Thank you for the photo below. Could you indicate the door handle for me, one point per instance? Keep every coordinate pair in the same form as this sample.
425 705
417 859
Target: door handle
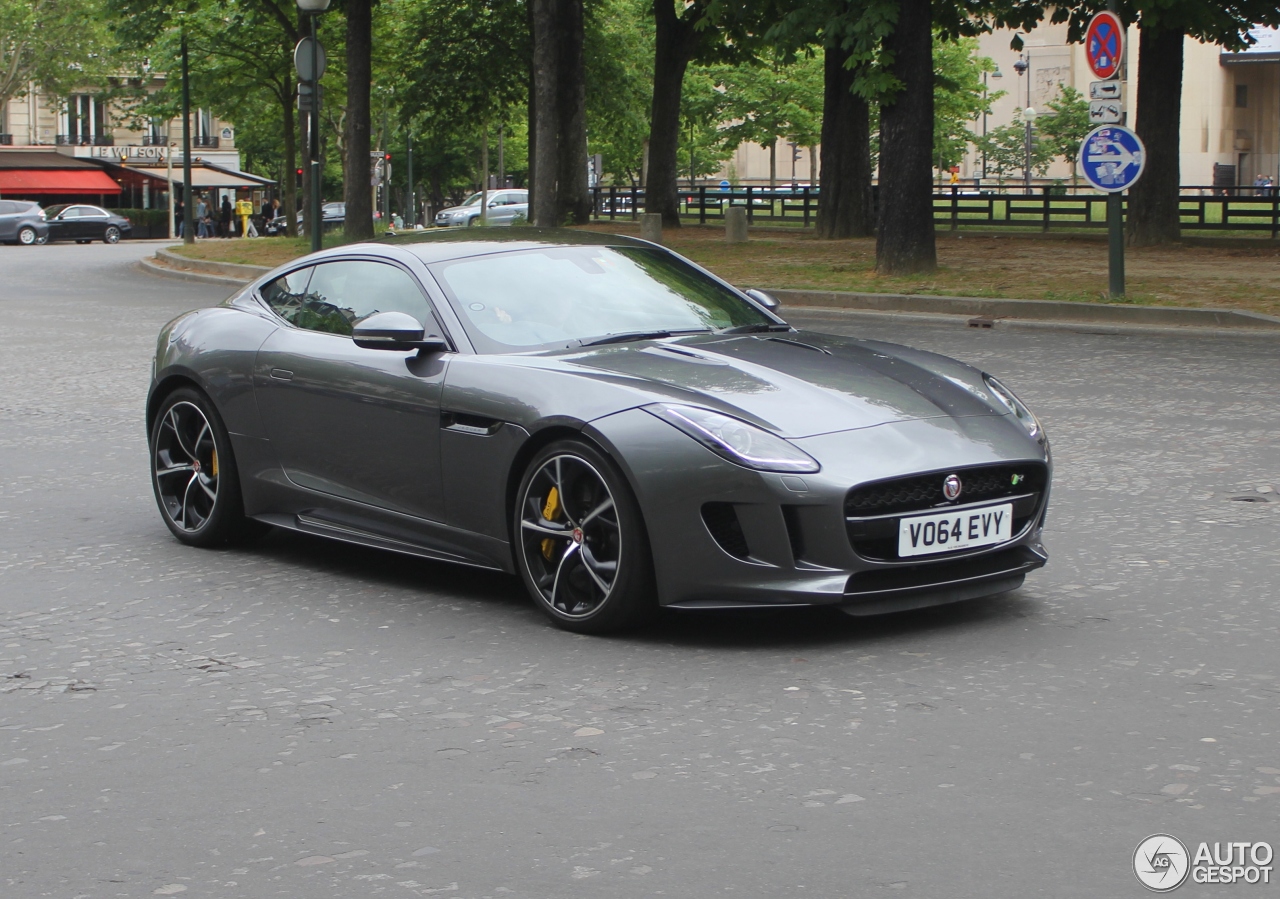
281 374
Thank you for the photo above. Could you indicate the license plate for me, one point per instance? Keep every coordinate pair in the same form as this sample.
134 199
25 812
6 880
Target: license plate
949 531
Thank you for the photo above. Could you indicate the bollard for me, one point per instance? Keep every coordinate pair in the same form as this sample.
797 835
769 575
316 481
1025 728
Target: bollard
735 224
651 226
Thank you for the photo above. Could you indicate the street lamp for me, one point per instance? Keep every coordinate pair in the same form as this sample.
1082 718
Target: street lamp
1029 118
995 74
314 8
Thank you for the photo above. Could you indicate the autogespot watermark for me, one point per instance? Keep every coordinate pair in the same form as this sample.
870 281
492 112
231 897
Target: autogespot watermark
1163 863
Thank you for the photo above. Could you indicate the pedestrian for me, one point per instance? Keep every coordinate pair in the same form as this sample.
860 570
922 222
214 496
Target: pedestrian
266 210
202 218
225 217
178 211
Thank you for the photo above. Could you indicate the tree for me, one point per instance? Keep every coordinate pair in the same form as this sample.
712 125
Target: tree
772 101
1154 215
1005 149
618 63
557 106
60 45
959 97
358 223
1066 125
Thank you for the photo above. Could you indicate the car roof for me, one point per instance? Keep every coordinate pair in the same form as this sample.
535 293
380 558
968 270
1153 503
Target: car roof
439 246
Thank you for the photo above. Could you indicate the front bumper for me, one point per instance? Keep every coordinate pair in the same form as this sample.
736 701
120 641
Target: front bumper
727 537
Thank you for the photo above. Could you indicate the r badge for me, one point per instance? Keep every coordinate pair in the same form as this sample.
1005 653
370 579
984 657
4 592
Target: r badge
951 486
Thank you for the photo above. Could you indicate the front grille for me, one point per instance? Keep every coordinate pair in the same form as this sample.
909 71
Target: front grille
924 491
871 509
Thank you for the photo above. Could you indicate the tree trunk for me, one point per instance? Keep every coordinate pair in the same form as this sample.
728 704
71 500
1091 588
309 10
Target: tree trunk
773 163
1153 200
673 45
845 208
905 233
289 187
359 219
574 198
545 127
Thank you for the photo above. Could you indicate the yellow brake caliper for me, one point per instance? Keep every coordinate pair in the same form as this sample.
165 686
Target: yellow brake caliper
550 512
215 464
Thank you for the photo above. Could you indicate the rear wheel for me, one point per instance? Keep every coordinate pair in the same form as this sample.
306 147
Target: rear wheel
27 236
581 545
193 473
111 235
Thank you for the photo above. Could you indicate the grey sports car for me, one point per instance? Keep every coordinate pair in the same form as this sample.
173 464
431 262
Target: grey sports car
617 426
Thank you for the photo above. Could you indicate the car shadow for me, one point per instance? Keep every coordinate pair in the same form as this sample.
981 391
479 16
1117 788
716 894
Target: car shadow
729 629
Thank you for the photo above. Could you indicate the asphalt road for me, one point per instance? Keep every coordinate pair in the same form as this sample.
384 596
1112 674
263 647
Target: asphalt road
304 719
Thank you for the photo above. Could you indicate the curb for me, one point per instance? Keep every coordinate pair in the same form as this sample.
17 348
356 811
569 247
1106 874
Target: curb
843 314
152 267
242 273
1019 313
1034 310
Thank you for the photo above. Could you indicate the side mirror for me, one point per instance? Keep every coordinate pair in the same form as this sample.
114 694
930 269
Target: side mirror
766 300
395 331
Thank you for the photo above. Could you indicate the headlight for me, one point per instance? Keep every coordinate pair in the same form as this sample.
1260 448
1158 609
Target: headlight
736 440
1014 405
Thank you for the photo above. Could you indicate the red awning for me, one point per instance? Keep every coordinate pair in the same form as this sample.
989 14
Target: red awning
57 181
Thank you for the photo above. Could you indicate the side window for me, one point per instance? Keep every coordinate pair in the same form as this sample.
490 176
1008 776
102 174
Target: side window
341 294
286 294
7 208
72 212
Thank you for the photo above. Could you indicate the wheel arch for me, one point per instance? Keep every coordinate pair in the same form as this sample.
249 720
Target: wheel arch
534 445
167 385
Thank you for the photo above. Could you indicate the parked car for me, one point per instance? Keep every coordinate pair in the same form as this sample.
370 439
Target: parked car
613 425
22 222
85 224
333 215
504 206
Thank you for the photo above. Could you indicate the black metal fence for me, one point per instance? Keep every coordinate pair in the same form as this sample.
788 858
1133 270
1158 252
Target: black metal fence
1055 208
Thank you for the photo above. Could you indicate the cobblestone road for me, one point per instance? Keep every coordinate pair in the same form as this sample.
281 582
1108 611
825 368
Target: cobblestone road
303 719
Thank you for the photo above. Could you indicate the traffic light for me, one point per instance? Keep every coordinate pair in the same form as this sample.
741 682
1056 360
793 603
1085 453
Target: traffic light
298 183
386 157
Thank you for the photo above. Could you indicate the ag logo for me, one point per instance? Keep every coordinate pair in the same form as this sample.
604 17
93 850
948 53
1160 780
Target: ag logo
1161 863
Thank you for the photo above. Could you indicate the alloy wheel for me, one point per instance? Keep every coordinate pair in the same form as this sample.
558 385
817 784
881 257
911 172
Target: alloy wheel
112 235
186 466
27 237
571 535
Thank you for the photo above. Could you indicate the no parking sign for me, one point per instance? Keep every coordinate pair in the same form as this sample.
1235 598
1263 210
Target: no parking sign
1104 45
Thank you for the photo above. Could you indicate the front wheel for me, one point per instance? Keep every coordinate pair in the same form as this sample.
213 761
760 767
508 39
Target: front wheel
27 237
111 235
193 473
581 545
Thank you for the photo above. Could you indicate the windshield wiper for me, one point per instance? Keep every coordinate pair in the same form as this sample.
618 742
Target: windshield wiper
627 336
756 328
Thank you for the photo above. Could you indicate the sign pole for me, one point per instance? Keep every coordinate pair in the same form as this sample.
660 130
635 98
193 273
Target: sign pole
1115 245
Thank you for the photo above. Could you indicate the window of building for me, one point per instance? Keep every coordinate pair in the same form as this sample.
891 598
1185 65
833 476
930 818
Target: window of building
1242 96
84 117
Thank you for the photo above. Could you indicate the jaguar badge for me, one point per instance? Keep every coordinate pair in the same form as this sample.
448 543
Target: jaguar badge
951 486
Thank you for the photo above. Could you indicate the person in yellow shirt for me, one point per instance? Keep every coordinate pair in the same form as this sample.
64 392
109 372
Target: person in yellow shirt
244 209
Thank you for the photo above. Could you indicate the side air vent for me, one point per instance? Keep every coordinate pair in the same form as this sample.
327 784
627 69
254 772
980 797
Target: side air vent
791 516
722 521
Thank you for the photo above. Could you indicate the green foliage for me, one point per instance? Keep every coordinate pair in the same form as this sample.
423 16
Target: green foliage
702 110
959 97
61 45
772 101
619 65
1005 150
1066 125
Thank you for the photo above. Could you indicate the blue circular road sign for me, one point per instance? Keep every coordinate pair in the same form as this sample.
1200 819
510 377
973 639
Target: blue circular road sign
724 185
1112 158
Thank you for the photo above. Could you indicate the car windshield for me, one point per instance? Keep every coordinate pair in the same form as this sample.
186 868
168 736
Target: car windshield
473 200
53 210
568 296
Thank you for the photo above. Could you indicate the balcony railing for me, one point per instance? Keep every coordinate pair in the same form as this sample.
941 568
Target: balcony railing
85 140
153 140
207 142
6 140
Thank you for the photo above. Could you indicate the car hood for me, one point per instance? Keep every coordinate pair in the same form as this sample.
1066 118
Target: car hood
451 209
796 384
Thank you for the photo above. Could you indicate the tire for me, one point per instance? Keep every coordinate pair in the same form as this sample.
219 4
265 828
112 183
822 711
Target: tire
42 240
194 475
84 241
111 235
27 236
582 551
471 222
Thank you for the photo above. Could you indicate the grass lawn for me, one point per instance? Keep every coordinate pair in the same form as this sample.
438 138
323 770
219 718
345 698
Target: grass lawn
1018 267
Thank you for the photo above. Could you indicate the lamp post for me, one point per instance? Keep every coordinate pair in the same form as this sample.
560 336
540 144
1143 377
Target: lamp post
315 224
995 74
1029 118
